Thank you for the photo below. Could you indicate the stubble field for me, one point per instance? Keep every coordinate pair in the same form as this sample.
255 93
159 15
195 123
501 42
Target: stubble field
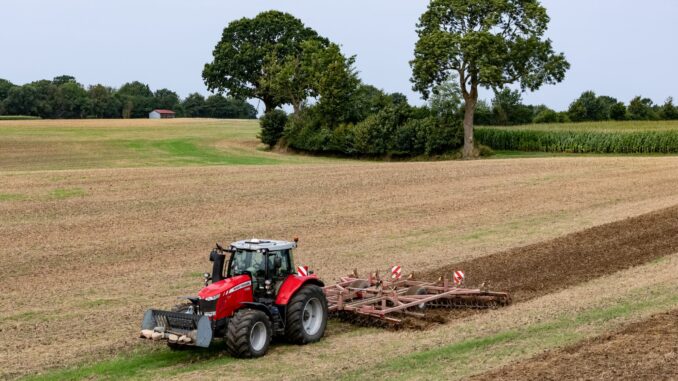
89 240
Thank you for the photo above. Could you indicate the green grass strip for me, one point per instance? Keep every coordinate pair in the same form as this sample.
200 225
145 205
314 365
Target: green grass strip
139 364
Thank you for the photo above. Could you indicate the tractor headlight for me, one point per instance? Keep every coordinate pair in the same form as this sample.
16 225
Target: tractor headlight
212 298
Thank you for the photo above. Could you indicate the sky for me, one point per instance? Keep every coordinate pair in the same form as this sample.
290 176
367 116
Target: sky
620 48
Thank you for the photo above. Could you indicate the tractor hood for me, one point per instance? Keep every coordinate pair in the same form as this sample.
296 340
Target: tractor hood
221 287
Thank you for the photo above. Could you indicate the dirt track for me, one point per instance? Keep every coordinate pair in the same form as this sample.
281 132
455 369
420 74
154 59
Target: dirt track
538 269
647 350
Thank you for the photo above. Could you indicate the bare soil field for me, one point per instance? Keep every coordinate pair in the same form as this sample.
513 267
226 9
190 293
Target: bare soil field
545 267
85 252
646 350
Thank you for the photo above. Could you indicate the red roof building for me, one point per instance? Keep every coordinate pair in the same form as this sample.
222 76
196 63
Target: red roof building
162 114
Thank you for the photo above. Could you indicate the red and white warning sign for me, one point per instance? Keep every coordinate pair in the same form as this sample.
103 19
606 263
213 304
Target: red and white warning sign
396 272
302 270
458 277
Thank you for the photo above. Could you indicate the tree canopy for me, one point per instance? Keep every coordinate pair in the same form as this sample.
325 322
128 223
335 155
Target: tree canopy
488 44
247 45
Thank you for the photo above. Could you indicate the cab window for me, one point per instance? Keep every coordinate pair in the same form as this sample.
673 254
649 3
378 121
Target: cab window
247 261
284 269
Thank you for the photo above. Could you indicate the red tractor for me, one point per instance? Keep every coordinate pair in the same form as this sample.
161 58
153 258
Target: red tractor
258 295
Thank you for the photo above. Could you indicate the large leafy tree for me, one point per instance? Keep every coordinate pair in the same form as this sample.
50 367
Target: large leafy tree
508 108
21 100
167 99
487 44
136 99
590 107
194 106
246 47
102 102
5 87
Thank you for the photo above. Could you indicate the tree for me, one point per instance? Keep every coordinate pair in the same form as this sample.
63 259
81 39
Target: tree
508 108
103 103
167 100
367 100
641 109
272 126
70 100
334 81
668 111
618 111
136 99
546 115
246 47
607 103
194 106
588 107
446 99
21 100
5 87
63 79
218 106
45 94
487 43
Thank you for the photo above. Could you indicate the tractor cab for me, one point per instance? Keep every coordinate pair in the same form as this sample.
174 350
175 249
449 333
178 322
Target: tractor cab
268 263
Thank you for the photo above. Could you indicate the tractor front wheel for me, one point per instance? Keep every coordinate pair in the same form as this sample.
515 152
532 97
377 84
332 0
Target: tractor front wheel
249 334
306 315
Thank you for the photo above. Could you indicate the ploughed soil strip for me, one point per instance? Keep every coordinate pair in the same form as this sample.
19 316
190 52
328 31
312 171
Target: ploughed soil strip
539 269
647 350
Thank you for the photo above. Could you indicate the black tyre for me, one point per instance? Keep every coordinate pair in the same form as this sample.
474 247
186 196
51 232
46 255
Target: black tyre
306 315
249 334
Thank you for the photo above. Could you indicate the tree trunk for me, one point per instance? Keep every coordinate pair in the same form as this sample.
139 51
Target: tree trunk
269 105
469 151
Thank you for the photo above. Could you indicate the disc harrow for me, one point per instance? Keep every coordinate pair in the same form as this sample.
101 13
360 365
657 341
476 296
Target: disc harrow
390 300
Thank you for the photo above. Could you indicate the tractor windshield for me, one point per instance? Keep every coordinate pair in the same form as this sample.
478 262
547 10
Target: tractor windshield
248 261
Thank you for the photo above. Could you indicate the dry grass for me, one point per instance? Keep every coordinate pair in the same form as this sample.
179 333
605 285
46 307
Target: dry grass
79 271
87 144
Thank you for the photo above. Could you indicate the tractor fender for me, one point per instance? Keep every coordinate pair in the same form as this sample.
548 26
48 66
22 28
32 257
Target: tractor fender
292 284
257 306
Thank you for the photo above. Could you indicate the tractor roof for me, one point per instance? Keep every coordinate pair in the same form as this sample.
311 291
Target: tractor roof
259 244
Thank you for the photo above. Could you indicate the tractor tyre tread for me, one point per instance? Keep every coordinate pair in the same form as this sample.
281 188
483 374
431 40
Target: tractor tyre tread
294 328
238 333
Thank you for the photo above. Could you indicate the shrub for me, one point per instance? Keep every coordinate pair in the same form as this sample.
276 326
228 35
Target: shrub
546 116
272 127
485 151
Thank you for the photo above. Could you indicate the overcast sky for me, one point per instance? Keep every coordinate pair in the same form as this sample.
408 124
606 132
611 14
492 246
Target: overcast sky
620 48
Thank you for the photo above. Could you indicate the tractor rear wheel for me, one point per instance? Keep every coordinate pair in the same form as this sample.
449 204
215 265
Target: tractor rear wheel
249 334
306 315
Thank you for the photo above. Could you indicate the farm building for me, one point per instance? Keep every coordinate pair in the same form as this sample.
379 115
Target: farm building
162 114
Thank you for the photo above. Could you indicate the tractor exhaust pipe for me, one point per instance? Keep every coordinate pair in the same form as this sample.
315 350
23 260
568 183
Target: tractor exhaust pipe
218 261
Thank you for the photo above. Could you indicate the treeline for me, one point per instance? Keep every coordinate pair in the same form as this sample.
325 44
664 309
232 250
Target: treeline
274 57
507 108
65 98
